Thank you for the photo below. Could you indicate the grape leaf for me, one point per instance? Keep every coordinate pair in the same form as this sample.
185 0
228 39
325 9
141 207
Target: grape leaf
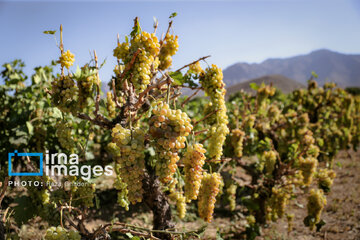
178 78
24 210
174 14
51 32
254 86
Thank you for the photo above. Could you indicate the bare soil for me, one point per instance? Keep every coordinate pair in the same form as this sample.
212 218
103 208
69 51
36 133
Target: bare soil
342 213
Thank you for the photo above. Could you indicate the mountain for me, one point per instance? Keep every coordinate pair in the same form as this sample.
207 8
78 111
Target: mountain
344 69
286 85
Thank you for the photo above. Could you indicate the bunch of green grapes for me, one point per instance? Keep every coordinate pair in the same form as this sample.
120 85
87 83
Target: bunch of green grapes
325 178
263 92
249 121
168 49
274 113
40 194
251 220
308 167
64 134
207 196
169 129
315 205
193 160
83 192
268 160
86 80
110 105
231 196
127 147
123 192
146 61
65 94
212 82
308 139
118 69
41 198
290 219
195 68
237 140
121 52
313 151
67 59
180 200
59 233
276 204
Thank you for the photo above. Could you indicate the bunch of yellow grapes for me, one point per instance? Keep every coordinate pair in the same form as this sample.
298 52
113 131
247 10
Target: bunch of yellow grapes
277 203
212 82
65 94
263 93
249 121
84 192
64 135
146 61
315 205
110 105
237 140
121 52
193 160
67 59
308 167
210 186
325 178
231 193
85 85
274 113
195 68
121 186
168 49
60 233
180 200
169 129
270 161
128 148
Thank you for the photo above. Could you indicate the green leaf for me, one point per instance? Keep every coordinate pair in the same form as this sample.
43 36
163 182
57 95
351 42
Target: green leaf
136 29
320 224
97 202
102 64
56 113
30 127
24 210
254 86
174 14
51 32
178 78
314 74
218 235
129 235
132 237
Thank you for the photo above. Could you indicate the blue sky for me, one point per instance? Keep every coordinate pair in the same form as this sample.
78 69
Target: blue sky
230 31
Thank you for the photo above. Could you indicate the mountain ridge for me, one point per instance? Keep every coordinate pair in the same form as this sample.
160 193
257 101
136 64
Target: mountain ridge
344 69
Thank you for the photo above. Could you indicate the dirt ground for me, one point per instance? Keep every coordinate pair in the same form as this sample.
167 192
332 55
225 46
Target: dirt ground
342 213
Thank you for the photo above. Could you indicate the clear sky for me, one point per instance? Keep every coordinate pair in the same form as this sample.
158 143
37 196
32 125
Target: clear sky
230 31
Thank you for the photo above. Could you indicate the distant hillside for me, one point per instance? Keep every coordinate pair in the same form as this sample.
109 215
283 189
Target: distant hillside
286 85
344 69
